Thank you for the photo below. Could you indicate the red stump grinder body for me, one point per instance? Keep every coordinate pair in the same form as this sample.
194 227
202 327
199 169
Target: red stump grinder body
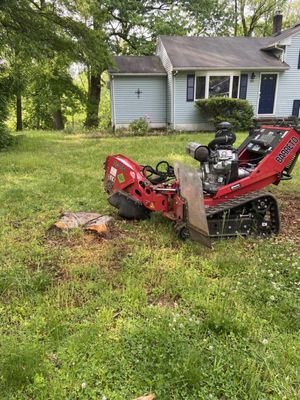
223 198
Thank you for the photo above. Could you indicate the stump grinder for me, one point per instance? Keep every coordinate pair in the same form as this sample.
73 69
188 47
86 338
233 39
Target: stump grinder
220 199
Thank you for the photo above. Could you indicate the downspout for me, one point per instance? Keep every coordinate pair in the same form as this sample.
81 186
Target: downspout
174 97
277 83
281 49
113 102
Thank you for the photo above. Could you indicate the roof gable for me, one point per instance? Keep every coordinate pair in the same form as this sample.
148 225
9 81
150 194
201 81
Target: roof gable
279 38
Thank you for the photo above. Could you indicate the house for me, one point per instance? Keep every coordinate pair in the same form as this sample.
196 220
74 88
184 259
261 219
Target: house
164 87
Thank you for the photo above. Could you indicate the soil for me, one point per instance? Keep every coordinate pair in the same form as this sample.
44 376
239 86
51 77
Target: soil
289 206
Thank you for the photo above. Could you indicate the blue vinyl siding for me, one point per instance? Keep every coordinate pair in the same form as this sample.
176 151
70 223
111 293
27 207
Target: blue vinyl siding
185 111
152 101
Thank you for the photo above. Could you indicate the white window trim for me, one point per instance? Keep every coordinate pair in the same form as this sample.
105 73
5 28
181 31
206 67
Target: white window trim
207 75
275 96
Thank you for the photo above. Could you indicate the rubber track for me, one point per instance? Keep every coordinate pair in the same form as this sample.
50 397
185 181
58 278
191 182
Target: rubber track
237 201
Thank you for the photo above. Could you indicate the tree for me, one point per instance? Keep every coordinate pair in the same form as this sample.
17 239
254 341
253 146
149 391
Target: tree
291 13
5 83
45 28
50 94
255 17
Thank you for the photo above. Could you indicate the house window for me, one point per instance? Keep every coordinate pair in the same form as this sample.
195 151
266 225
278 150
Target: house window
221 85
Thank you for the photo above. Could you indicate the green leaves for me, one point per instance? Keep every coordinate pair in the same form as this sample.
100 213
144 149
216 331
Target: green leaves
42 27
5 83
236 111
39 41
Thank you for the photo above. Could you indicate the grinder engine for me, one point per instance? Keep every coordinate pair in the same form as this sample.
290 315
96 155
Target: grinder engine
219 161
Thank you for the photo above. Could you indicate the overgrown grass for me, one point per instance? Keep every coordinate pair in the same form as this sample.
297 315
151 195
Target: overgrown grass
82 318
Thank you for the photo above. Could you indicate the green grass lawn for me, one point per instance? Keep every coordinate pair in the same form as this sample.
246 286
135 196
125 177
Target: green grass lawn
85 318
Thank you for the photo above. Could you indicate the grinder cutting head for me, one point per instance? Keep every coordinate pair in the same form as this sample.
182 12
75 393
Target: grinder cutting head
191 192
177 193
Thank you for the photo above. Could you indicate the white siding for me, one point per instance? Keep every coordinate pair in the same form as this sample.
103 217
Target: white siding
289 81
253 90
161 52
152 101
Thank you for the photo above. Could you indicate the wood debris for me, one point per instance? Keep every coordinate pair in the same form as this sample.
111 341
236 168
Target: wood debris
147 397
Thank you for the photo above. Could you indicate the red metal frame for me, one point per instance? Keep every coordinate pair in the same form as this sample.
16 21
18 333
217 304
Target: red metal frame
123 174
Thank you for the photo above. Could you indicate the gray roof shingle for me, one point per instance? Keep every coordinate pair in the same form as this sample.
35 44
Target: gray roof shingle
138 65
220 53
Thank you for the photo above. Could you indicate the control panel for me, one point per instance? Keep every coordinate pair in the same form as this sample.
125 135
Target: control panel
264 140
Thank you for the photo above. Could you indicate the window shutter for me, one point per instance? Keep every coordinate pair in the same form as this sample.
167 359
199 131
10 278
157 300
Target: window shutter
296 108
190 87
243 86
299 60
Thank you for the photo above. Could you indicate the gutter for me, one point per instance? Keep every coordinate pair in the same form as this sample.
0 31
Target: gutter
246 68
137 73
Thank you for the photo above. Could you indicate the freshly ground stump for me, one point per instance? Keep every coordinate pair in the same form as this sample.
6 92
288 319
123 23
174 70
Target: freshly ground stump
90 222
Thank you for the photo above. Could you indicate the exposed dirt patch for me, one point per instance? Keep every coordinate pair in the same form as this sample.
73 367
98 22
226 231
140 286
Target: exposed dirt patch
162 300
124 133
89 249
57 237
289 204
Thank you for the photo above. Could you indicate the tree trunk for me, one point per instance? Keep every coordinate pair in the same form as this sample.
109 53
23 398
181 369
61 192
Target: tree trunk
235 17
93 100
58 120
19 125
243 17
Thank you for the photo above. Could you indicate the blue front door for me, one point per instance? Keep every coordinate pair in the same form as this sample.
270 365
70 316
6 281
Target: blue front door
267 93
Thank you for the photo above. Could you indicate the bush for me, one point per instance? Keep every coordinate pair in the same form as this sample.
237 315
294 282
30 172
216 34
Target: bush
236 111
140 126
5 138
